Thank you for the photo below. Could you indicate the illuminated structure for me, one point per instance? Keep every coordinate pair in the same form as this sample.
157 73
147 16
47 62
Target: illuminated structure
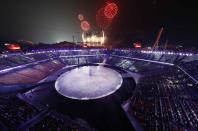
94 40
139 83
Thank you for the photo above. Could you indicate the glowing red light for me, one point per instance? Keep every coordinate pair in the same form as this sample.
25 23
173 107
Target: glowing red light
102 21
85 26
111 10
80 17
137 45
13 47
85 46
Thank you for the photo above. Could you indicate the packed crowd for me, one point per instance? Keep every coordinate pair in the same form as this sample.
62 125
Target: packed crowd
166 101
14 112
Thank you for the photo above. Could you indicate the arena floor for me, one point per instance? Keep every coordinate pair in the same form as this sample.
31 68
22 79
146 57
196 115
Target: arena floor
88 82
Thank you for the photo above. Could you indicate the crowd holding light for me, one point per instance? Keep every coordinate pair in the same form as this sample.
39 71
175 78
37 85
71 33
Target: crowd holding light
166 53
94 40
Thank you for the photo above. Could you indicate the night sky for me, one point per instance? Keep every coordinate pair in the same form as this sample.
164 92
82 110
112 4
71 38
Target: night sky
51 21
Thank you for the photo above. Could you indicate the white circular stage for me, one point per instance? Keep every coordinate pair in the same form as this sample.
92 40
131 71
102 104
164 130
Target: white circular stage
88 82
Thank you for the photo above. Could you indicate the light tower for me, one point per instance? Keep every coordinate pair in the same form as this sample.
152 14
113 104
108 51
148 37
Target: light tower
156 44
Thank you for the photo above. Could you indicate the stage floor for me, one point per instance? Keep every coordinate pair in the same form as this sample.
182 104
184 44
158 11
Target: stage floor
88 82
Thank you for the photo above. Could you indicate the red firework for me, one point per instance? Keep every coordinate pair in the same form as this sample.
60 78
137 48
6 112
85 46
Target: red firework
102 21
111 10
85 26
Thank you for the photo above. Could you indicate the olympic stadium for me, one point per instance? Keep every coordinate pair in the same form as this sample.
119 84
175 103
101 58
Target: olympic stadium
98 89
